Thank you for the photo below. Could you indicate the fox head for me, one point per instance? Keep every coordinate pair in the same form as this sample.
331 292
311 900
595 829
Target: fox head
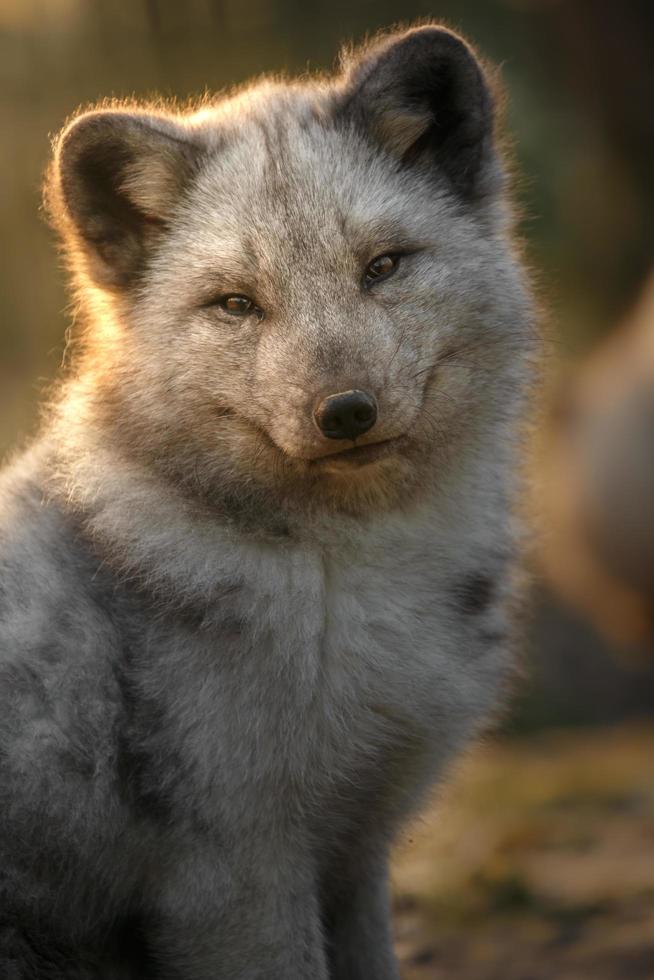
304 294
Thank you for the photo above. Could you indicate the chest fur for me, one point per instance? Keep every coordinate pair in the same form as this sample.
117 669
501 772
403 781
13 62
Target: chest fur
328 680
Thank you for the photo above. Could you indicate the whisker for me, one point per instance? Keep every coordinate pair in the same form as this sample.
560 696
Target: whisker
397 349
418 374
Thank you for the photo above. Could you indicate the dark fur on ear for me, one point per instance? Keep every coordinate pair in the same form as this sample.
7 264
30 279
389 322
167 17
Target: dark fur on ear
424 96
115 177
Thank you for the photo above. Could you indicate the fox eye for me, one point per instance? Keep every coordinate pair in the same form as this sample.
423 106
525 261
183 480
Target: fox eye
381 268
237 305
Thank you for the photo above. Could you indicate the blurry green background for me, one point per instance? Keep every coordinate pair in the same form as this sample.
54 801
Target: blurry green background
580 81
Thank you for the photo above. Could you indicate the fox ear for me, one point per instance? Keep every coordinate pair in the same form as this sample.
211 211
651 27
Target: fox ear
423 95
115 178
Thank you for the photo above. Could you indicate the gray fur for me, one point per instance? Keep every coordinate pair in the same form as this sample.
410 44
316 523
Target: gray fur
231 662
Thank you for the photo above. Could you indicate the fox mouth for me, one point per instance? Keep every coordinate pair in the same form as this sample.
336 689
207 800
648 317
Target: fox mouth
357 455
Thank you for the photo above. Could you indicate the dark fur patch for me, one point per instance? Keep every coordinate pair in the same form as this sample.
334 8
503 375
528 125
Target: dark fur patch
493 637
140 762
30 952
136 784
474 593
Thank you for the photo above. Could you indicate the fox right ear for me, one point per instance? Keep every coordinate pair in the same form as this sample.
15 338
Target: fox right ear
423 96
115 178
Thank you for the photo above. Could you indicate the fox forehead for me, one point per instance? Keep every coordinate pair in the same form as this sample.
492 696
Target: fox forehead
285 187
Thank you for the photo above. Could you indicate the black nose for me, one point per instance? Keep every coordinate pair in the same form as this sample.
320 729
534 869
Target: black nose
346 415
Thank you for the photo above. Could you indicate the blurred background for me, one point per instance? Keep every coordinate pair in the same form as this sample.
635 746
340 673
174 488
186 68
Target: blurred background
538 862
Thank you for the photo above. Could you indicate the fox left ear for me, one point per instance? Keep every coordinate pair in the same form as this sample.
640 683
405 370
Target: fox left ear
424 97
115 178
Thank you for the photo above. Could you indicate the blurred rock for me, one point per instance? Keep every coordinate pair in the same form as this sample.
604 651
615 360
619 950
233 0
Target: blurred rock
598 487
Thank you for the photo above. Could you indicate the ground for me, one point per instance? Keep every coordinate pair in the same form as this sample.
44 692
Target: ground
537 863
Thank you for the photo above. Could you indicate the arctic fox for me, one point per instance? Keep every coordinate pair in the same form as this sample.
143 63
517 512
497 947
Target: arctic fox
256 571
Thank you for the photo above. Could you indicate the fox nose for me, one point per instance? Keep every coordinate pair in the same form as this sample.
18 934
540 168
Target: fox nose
346 415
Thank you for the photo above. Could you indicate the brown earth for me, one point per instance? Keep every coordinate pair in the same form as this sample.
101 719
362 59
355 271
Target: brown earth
537 863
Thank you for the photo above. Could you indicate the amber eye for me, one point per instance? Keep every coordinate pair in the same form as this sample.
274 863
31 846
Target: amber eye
237 305
381 268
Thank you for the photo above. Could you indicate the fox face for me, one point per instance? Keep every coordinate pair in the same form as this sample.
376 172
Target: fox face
301 294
